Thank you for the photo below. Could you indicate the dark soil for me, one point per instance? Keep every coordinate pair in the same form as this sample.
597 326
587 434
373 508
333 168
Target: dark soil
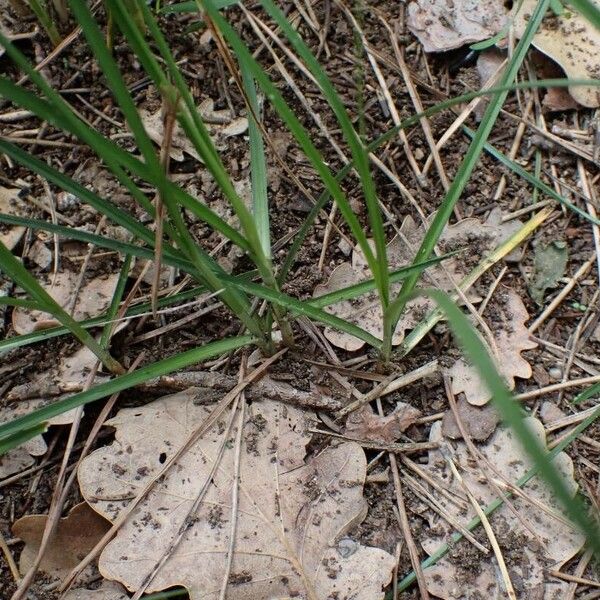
436 77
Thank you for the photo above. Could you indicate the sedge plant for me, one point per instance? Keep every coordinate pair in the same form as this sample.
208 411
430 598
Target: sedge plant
171 242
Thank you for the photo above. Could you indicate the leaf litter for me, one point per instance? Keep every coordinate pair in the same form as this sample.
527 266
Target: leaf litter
75 536
89 301
479 237
541 539
549 265
568 39
292 522
511 338
221 124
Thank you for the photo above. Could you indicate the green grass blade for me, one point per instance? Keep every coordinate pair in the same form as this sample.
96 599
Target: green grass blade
512 414
588 9
191 122
464 172
369 285
389 135
516 168
587 394
111 73
300 308
80 235
360 156
111 313
19 302
99 321
123 382
115 214
21 437
192 6
299 132
114 156
13 269
258 164
45 19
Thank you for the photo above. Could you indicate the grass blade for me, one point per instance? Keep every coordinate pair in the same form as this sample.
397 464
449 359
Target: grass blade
258 164
464 172
13 269
359 153
123 382
516 168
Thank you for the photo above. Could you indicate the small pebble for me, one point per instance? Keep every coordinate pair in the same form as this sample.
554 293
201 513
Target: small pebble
347 547
555 372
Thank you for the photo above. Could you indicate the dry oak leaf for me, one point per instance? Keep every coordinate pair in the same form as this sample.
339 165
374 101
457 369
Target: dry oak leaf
75 536
291 517
364 424
109 590
547 544
365 311
569 39
219 123
11 204
93 298
479 422
442 25
511 337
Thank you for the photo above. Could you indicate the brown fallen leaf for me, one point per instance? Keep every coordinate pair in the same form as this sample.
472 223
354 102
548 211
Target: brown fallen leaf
292 518
528 555
442 25
569 39
11 204
364 424
511 337
75 536
69 375
93 298
219 123
479 421
109 590
365 311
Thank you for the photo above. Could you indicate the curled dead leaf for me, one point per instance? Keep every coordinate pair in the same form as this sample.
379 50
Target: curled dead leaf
569 39
511 337
479 422
75 536
291 520
548 541
442 25
364 424
219 123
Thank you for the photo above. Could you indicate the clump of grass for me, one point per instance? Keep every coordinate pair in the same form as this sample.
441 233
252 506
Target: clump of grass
172 243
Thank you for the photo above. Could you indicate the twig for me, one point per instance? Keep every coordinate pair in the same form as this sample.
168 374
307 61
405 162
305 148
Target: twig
404 447
583 269
487 527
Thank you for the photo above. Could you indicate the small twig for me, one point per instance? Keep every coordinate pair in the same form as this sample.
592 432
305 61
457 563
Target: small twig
235 495
487 527
406 532
399 448
557 387
389 385
583 269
